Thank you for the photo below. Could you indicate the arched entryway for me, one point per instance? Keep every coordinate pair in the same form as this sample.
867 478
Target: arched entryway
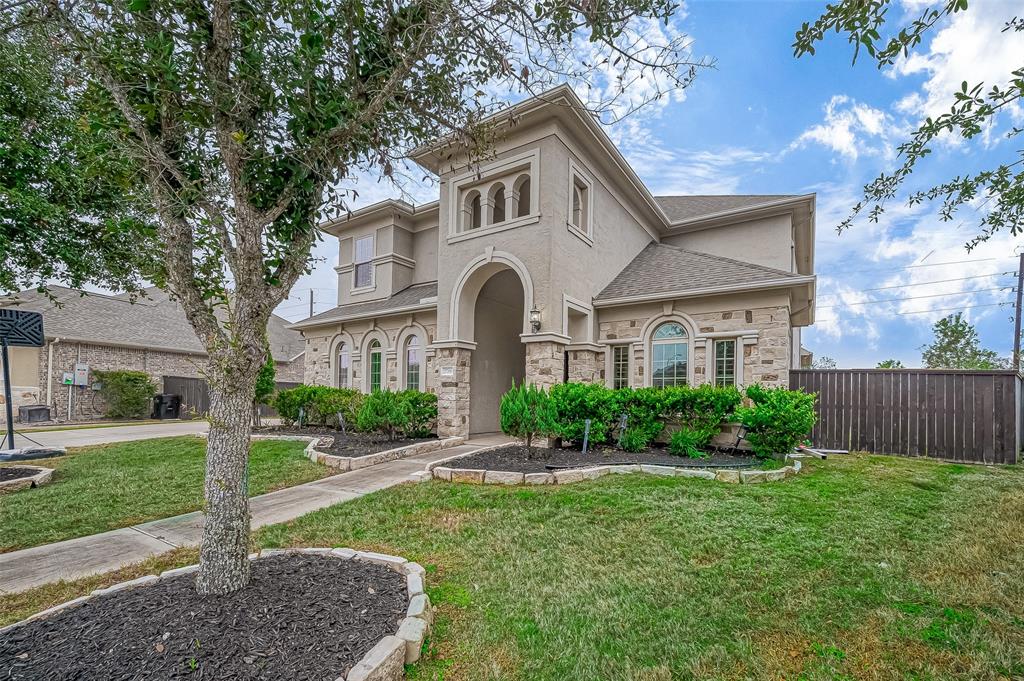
500 356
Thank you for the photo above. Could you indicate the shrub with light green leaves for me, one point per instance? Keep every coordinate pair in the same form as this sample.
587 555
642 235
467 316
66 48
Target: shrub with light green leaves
384 411
319 405
688 442
421 413
127 394
777 419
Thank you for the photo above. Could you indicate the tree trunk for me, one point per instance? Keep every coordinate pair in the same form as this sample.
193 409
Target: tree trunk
224 553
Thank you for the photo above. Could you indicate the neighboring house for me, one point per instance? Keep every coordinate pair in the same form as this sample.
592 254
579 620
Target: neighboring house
552 262
110 332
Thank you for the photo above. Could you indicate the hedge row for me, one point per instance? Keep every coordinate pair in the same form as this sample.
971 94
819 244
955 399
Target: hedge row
776 419
409 412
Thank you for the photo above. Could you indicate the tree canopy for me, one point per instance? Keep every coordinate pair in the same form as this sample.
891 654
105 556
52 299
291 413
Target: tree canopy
956 346
868 26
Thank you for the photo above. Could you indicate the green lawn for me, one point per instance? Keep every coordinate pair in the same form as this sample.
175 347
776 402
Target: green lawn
109 486
861 568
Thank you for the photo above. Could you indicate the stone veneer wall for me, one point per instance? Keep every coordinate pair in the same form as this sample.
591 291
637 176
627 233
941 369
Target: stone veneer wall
545 362
451 376
767 361
586 366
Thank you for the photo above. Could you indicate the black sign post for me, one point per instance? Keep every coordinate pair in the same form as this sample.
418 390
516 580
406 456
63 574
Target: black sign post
18 328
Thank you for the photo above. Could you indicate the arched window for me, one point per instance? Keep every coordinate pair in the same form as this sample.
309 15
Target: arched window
523 202
669 355
498 204
344 366
472 212
376 360
413 356
577 206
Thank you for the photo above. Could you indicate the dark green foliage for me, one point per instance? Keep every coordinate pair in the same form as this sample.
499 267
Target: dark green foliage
700 409
956 346
688 442
421 412
384 411
527 412
777 420
574 403
127 394
319 404
265 382
644 408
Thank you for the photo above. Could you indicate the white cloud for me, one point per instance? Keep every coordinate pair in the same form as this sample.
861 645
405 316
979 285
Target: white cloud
680 171
852 128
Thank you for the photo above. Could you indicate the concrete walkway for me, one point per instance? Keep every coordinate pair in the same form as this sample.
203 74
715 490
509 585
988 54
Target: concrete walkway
75 558
80 437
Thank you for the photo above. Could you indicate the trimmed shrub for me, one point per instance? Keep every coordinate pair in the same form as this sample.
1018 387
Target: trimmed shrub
777 419
574 403
127 394
384 411
688 442
320 405
644 409
527 412
421 413
701 410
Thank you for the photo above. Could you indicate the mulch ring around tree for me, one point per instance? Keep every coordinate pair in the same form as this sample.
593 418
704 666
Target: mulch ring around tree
303 616
515 458
348 444
16 472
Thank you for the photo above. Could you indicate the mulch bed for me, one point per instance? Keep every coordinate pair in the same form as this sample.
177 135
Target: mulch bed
541 460
350 444
302 617
16 473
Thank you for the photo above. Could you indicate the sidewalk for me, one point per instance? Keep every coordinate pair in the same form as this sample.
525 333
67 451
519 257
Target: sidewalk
20 570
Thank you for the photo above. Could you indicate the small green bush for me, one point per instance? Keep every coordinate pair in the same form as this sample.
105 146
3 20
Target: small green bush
320 405
127 394
777 420
527 412
688 442
384 411
644 408
635 440
574 403
421 413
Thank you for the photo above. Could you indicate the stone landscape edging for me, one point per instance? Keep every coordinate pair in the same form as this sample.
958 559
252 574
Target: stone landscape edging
43 476
352 463
384 662
438 470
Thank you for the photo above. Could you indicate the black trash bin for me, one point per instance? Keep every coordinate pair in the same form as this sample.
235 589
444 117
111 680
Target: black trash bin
166 406
33 413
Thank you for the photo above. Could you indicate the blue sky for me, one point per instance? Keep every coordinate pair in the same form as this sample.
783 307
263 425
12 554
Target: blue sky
762 121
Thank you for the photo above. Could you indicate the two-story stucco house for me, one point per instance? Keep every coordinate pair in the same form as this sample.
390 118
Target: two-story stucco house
552 262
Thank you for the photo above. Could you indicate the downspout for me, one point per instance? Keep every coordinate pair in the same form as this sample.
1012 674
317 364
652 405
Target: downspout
49 374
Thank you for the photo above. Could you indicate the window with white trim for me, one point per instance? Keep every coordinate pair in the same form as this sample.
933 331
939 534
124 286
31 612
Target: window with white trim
376 361
413 356
670 351
725 362
363 260
620 366
524 200
344 366
580 217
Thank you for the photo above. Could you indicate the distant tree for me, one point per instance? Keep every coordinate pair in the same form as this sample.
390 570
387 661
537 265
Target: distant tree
890 364
973 111
956 346
824 362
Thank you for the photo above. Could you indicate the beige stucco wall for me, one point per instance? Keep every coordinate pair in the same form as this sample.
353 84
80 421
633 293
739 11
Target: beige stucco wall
767 241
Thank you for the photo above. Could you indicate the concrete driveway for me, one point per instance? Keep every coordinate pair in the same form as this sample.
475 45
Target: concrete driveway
95 436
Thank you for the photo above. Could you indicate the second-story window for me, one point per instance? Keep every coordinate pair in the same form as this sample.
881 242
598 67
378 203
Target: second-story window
580 205
363 272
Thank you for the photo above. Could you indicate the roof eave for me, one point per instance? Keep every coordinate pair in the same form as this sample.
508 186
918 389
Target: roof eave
355 218
313 323
740 214
707 291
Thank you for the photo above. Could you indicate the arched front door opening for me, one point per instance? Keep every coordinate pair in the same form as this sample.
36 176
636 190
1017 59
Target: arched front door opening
500 355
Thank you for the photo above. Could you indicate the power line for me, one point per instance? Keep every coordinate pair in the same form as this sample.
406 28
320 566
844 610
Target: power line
920 283
930 295
939 309
932 264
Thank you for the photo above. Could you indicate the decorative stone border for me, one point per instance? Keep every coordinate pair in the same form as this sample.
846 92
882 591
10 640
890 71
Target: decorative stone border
351 463
384 662
42 477
440 470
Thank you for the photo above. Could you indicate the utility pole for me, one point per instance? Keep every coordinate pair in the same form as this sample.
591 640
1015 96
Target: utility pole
1016 314
1018 299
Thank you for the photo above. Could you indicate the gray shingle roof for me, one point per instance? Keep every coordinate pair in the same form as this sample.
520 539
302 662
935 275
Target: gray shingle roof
156 322
408 297
679 208
661 268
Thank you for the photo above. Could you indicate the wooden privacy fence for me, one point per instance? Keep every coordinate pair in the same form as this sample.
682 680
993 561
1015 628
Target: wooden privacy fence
972 416
195 394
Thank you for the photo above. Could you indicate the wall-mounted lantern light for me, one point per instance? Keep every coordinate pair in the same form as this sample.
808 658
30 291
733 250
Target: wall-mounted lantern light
535 319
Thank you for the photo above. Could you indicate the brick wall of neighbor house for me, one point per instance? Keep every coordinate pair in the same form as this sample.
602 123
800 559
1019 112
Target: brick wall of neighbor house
767 361
86 404
290 372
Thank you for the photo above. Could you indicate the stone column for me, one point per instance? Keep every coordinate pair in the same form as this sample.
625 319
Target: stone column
544 363
451 377
586 366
